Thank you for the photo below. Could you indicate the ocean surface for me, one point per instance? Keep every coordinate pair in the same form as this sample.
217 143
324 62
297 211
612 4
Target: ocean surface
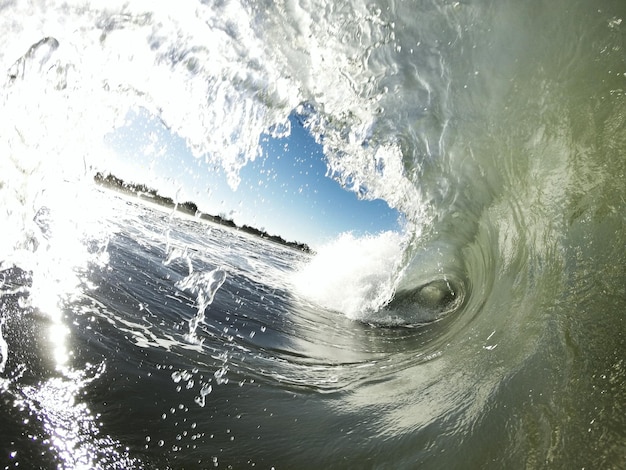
489 332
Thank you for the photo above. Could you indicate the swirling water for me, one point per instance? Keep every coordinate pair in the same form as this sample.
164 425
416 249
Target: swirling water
489 334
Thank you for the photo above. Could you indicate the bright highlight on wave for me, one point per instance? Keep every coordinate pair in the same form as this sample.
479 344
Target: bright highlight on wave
353 275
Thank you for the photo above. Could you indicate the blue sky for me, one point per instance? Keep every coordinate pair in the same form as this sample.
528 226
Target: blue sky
285 191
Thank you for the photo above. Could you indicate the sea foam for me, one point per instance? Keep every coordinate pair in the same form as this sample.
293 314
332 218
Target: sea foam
353 275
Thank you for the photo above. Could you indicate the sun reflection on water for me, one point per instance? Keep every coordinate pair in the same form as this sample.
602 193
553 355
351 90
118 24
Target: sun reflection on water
71 219
73 430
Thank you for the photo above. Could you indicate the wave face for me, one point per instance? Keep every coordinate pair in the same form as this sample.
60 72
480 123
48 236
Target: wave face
489 334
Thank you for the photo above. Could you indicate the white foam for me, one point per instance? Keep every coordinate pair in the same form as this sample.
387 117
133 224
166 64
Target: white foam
353 275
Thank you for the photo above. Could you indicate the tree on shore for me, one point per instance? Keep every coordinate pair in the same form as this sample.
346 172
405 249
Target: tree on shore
143 192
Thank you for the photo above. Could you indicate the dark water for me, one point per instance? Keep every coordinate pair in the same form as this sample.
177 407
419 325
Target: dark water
120 379
488 334
262 380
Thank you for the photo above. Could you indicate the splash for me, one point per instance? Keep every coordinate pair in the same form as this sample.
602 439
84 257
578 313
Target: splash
4 348
205 284
353 275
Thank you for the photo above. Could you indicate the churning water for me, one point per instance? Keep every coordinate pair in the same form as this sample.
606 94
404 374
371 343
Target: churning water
489 334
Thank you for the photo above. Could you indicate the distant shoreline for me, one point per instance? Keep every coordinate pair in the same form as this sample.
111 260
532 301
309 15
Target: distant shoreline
145 193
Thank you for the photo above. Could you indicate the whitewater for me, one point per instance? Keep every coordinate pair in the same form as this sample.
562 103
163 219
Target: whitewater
488 332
